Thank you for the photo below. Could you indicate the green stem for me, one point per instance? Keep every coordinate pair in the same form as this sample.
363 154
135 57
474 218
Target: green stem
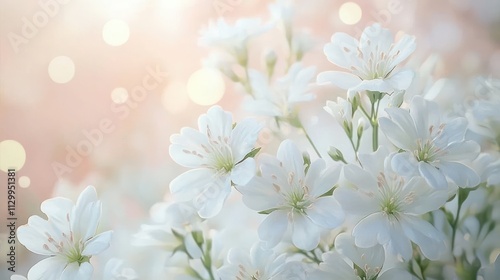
310 255
462 195
309 139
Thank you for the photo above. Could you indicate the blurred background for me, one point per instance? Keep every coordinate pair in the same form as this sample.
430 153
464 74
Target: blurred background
90 91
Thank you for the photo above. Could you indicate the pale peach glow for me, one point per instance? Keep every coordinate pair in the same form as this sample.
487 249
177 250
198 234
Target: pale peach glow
175 98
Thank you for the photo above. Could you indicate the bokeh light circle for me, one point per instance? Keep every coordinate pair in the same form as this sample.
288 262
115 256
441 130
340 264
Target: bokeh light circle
205 86
115 32
350 13
12 155
24 181
61 69
119 95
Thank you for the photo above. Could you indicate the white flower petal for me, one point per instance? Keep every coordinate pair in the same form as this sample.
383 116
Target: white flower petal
97 244
421 197
360 178
401 80
380 85
453 131
187 148
343 80
459 173
365 204
326 212
216 123
272 229
34 235
291 158
467 150
372 230
398 243
427 237
210 200
57 209
402 49
190 183
362 257
405 164
342 50
74 271
432 175
305 234
259 195
321 183
47 269
243 138
399 129
243 172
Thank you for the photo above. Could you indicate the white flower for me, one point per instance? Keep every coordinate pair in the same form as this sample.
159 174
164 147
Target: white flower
372 61
390 207
115 270
340 110
492 271
217 153
261 264
431 147
68 237
365 261
484 114
294 197
232 38
281 98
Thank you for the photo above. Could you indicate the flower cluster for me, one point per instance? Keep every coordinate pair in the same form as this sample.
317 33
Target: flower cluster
400 187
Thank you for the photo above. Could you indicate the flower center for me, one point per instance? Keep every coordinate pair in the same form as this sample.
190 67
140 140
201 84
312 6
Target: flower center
221 156
428 151
298 197
75 255
390 191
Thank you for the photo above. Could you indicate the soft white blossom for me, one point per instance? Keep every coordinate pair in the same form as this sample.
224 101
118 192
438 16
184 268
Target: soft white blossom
232 38
366 262
68 237
281 98
294 198
389 207
217 154
259 264
371 61
115 270
432 146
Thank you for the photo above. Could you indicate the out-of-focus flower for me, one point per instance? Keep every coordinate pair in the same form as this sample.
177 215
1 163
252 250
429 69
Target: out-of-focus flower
294 198
492 271
484 114
340 110
260 264
232 38
282 11
432 147
487 166
68 237
365 261
115 270
390 207
372 61
219 156
281 98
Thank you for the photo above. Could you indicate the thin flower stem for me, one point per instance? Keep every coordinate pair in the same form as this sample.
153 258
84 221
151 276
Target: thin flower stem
461 198
309 139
